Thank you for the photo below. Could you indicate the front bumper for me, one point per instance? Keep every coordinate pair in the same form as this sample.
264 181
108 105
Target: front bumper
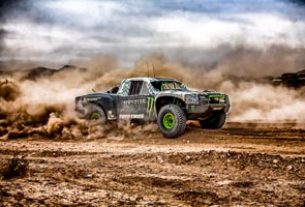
207 105
204 108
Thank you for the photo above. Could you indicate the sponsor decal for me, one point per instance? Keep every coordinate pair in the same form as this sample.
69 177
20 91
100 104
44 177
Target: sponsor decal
131 116
133 101
150 105
176 101
91 99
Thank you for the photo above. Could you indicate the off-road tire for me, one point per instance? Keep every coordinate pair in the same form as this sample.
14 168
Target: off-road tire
216 121
95 113
177 126
290 80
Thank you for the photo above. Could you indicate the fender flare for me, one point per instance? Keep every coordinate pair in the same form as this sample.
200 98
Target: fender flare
172 97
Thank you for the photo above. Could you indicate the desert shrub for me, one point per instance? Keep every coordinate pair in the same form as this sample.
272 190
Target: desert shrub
16 167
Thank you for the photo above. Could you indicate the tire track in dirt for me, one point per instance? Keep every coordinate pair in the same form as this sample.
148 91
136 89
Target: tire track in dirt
195 170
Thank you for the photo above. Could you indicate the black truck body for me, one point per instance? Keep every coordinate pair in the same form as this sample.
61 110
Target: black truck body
144 98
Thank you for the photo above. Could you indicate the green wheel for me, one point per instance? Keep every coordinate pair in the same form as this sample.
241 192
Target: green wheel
168 121
96 114
171 121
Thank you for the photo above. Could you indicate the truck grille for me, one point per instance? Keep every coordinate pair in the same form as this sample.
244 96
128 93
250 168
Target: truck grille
217 99
214 100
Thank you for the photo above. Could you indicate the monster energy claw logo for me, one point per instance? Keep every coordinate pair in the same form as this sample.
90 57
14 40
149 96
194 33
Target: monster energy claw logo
150 105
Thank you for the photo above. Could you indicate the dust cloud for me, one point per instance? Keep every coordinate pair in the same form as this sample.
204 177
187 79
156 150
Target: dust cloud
41 104
244 74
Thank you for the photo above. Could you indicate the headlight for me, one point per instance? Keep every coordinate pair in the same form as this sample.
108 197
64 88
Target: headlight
217 98
222 99
192 99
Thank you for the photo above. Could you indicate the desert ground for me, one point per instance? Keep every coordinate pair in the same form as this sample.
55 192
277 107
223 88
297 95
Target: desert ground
243 164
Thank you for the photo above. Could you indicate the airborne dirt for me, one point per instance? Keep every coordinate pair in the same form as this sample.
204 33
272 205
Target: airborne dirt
243 164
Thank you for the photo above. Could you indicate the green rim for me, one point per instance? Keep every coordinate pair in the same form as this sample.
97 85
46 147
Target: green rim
95 116
168 120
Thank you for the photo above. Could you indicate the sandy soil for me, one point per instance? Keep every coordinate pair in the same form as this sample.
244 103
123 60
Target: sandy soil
243 164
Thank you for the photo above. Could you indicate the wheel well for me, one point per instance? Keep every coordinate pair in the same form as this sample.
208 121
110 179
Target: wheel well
169 100
97 105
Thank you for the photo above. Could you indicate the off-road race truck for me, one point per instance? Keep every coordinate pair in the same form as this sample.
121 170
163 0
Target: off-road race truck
293 80
165 101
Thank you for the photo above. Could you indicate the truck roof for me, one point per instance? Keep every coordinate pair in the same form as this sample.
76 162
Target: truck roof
150 79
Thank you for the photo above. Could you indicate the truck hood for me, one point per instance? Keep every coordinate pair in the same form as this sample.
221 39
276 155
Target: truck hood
91 96
183 93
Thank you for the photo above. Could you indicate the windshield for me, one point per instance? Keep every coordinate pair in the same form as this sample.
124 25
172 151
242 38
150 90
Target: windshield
167 85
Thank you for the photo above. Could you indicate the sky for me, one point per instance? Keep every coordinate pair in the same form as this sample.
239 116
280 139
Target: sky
58 31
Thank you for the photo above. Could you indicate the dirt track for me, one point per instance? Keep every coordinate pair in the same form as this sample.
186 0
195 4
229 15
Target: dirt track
242 164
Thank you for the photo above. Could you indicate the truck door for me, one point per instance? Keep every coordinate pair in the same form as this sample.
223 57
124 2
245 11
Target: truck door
134 104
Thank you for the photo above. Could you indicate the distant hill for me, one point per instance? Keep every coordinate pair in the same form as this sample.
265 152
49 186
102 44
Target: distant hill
293 80
40 72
